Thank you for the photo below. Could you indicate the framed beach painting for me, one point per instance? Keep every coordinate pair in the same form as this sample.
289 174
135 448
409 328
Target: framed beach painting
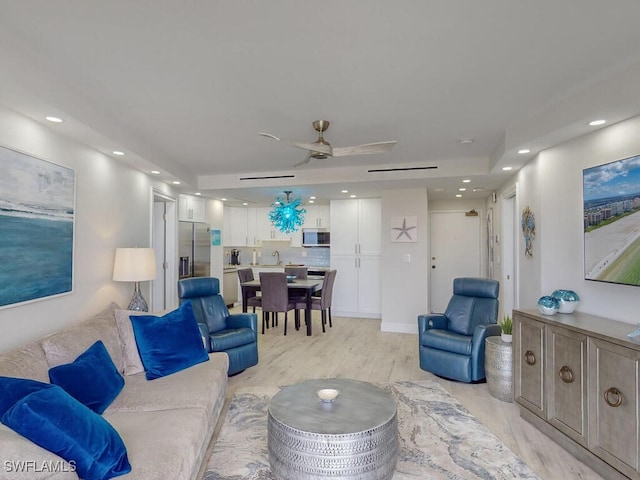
37 211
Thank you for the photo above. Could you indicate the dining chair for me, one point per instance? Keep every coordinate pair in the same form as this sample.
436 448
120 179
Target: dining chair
323 303
275 298
299 272
253 300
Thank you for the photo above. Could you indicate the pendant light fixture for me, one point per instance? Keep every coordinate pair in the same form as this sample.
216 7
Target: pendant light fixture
287 215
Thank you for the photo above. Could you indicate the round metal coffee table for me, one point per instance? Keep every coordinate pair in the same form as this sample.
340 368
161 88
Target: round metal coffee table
353 437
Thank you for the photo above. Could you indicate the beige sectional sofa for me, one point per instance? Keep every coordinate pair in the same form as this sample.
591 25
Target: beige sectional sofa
166 424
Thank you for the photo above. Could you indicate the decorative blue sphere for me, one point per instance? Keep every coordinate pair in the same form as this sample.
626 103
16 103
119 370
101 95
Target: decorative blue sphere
567 300
548 305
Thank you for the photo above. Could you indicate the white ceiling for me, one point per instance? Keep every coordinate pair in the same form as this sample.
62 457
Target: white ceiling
185 87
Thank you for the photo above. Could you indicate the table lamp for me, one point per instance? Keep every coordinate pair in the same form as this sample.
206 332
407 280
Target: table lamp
135 265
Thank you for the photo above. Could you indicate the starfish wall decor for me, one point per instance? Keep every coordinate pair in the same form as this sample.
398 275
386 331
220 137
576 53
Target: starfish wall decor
404 229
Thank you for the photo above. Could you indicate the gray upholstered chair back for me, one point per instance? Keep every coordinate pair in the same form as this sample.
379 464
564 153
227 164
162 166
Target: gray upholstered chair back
245 274
327 289
208 304
275 294
299 272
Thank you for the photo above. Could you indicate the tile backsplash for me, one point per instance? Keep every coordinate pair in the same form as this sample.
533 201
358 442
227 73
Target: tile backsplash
313 257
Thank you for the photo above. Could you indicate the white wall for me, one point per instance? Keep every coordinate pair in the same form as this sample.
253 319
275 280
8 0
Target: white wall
404 285
113 209
551 184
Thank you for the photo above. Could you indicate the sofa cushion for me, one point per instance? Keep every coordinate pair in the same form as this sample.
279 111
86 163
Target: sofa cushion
169 343
92 378
201 386
168 444
17 450
56 421
66 345
27 361
130 355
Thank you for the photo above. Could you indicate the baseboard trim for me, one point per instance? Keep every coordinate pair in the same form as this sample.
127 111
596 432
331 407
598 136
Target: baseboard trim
398 327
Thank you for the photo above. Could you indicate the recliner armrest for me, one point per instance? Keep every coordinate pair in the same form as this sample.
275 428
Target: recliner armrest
432 320
204 333
480 333
243 320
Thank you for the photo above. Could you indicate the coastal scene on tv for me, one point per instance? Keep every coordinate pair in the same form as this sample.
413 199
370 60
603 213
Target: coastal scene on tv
611 194
36 221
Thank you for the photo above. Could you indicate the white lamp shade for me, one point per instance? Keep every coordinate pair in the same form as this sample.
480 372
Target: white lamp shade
134 265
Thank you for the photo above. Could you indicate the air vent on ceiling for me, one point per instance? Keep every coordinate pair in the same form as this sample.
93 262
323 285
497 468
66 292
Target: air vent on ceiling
400 169
268 178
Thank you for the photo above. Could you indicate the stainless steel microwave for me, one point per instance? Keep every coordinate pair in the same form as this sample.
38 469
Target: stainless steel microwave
316 237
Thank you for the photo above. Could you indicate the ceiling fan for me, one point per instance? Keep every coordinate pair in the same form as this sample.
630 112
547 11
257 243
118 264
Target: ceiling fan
322 149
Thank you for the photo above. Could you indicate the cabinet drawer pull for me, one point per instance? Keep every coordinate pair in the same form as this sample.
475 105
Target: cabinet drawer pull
617 393
566 375
530 357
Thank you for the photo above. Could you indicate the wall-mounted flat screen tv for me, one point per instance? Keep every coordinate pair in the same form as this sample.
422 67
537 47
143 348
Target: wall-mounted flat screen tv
611 195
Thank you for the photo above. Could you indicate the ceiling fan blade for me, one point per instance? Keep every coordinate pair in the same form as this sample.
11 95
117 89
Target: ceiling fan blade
306 160
269 135
366 149
312 147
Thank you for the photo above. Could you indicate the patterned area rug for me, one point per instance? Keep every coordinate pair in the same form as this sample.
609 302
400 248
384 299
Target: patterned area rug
439 438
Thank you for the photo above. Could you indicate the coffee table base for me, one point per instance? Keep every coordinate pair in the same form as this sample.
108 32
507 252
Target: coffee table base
367 455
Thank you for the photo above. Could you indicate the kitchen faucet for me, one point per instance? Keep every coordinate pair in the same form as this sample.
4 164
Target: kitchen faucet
276 253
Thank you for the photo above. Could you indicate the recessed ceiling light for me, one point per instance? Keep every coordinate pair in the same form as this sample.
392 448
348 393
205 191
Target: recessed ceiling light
523 151
223 199
54 119
459 195
466 141
311 201
155 172
352 196
462 189
118 152
176 182
198 193
506 169
345 191
466 180
595 123
312 197
245 203
478 189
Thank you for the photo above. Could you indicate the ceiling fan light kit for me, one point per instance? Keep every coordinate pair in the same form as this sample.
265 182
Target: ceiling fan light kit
322 149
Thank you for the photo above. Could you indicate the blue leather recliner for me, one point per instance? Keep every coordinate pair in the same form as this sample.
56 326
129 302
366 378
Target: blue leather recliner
452 343
235 334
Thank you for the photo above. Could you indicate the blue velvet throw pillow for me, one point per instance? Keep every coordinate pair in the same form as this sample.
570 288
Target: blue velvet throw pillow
92 378
13 389
170 343
54 420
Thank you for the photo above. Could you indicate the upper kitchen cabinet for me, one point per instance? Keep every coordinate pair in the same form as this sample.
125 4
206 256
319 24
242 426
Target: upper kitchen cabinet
356 227
249 226
235 226
317 216
191 209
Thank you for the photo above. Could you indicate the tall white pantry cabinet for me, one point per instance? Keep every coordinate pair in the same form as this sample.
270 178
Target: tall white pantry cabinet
356 245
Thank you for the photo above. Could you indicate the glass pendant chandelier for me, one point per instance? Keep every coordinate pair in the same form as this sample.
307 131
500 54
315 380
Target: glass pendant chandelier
287 216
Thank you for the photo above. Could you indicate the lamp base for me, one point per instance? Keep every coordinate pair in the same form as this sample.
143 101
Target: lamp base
138 303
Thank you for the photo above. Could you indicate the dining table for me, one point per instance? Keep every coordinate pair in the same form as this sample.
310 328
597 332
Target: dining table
306 286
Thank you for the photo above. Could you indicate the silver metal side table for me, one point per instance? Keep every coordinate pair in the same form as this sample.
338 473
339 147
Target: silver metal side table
353 437
498 366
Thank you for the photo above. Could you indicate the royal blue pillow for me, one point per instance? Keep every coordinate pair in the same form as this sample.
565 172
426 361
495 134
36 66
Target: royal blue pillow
169 343
59 423
13 389
92 378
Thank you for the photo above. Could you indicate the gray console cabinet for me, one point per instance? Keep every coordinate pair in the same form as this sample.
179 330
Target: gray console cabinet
577 378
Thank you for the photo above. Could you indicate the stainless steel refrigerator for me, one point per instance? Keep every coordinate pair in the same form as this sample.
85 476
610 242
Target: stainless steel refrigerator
194 249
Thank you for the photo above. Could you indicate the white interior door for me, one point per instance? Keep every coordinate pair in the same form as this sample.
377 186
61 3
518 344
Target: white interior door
163 240
455 241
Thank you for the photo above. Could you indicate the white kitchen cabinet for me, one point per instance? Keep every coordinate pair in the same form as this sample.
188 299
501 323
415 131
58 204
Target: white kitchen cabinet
318 216
235 220
191 209
355 252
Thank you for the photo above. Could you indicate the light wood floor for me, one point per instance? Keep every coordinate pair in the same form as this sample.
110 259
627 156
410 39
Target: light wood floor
355 348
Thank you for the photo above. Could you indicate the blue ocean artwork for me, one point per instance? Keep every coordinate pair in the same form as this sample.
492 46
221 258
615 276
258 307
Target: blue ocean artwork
36 228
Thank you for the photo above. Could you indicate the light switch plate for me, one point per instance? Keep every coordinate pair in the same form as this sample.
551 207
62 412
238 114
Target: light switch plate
406 258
